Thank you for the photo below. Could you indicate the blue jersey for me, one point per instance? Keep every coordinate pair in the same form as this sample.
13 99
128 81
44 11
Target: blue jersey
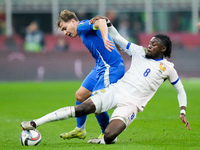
92 39
109 66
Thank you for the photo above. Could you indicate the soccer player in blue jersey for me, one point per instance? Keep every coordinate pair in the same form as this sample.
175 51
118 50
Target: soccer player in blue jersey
109 66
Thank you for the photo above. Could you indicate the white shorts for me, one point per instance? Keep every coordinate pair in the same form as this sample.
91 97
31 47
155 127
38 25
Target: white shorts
109 98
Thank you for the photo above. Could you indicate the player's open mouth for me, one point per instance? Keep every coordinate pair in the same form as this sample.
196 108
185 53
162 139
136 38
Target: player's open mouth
148 51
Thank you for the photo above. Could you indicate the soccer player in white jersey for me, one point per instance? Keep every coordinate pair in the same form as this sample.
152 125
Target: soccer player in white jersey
148 70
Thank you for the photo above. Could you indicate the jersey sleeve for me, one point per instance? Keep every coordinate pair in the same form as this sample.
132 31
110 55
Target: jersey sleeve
182 98
127 46
84 26
178 86
173 76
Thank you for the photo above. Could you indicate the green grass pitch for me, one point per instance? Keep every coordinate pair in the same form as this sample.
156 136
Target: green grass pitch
157 127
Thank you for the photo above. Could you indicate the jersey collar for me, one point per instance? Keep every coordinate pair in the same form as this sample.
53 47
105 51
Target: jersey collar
158 59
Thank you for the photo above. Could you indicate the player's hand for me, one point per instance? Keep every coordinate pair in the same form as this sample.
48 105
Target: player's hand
94 19
108 44
184 120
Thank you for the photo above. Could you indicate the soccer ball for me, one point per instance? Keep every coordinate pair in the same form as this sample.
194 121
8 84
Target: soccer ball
30 137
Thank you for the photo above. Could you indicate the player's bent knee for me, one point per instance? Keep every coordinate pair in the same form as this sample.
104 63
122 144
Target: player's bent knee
81 97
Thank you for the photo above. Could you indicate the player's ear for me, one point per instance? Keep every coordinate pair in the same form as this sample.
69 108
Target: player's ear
73 21
163 49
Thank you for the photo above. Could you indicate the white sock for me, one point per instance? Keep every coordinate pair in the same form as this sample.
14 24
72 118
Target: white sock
60 114
102 140
81 128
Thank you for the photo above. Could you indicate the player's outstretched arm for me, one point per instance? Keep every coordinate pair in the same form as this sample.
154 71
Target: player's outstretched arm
182 99
101 25
118 39
94 19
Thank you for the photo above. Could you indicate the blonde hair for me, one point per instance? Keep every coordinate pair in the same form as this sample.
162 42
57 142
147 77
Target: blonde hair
66 16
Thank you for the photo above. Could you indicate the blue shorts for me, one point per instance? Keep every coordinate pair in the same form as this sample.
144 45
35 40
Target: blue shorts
101 78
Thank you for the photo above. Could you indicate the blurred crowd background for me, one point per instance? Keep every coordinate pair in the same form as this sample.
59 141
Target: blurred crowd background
32 48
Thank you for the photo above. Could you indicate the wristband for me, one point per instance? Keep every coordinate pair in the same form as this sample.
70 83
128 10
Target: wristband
183 111
108 23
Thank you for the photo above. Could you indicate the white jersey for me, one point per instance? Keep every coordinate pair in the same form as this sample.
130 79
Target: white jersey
144 77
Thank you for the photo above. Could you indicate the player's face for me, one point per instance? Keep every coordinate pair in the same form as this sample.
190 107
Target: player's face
69 28
155 49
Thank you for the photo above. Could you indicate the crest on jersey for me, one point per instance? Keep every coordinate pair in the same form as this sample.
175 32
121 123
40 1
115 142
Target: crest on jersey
162 67
103 91
81 23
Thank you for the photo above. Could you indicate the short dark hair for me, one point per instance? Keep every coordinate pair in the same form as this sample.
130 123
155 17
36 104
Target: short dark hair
166 42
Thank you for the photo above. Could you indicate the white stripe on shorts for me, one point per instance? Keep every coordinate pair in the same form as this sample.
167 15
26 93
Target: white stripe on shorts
106 74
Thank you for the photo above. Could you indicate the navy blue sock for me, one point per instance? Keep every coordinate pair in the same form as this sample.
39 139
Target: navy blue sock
103 120
80 120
